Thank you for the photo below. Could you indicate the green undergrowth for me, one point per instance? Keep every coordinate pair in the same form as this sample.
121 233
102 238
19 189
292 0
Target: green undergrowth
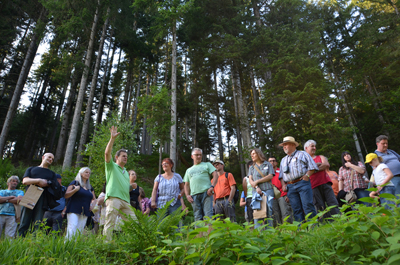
362 235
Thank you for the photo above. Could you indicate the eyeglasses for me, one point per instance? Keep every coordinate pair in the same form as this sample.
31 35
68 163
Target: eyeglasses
272 160
165 164
197 154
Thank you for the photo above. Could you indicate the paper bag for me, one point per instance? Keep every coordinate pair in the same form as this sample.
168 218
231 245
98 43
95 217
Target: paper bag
31 197
17 208
262 213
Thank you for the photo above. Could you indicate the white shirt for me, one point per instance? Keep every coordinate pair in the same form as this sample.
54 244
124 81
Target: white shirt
381 175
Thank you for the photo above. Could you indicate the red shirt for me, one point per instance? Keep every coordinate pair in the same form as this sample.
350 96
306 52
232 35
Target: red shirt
223 187
320 177
275 180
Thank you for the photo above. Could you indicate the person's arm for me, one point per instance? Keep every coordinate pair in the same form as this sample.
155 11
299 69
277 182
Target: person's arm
306 177
16 200
154 195
389 175
356 168
264 179
242 202
232 194
324 164
215 181
6 199
284 185
72 189
182 190
114 134
39 182
244 185
187 192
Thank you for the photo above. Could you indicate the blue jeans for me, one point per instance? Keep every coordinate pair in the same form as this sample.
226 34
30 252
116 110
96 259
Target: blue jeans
361 193
202 206
270 198
391 190
301 198
396 182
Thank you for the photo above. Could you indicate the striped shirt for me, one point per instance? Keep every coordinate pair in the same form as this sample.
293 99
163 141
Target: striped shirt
168 189
265 168
299 162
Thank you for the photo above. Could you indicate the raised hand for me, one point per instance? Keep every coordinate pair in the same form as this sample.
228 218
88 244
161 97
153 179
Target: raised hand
114 132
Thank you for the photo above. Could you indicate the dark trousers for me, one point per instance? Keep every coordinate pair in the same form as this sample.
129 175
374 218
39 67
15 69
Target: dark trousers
249 209
54 220
226 208
28 217
324 196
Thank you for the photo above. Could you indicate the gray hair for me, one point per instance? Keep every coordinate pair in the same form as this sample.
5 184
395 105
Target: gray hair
79 178
197 149
381 137
308 143
12 178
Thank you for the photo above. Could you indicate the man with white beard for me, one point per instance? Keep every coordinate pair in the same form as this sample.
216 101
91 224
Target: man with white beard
296 169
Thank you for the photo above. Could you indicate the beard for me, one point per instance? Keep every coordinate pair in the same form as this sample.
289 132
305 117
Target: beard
286 151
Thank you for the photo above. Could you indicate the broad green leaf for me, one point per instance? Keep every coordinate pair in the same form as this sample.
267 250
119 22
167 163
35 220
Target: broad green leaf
264 257
194 255
387 196
380 220
197 240
394 247
375 235
378 252
394 259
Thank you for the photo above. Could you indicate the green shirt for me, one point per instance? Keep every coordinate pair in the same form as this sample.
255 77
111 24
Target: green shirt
117 182
198 177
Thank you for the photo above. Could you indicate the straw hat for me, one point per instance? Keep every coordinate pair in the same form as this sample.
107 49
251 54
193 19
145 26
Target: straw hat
289 139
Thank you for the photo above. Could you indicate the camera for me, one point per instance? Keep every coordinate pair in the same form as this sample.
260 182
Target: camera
286 169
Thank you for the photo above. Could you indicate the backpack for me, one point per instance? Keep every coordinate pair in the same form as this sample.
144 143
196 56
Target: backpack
237 194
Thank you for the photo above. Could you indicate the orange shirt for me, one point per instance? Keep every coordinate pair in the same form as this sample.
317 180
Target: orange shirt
223 187
335 181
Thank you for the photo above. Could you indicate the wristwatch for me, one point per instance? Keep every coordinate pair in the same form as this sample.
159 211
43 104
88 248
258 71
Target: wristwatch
49 182
6 201
256 187
212 186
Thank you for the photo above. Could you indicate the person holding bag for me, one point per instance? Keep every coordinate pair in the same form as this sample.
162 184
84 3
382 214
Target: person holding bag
80 194
351 179
168 186
260 176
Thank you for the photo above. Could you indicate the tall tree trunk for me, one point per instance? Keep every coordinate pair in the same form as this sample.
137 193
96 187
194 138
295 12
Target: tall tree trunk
30 56
67 113
144 134
137 98
261 138
242 113
217 112
88 113
105 81
127 88
238 132
82 89
172 151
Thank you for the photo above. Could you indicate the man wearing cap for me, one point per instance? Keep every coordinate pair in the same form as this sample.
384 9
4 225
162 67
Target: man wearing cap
198 189
54 217
224 192
321 183
118 186
295 171
390 158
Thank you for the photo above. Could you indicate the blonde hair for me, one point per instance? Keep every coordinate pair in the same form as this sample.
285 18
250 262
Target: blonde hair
78 178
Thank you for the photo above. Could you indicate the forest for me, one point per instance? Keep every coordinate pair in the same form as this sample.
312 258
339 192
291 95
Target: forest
222 75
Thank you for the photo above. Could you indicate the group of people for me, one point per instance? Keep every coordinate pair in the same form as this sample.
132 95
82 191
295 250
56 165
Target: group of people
301 186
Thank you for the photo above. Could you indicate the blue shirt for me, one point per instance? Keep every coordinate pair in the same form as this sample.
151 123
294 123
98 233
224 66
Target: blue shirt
245 207
391 159
299 162
7 208
79 203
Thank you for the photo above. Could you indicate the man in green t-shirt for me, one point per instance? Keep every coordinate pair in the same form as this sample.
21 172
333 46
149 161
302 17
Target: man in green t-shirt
118 186
198 188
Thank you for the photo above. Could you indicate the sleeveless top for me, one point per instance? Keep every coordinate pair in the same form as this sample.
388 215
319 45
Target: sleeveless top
79 203
320 177
249 188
